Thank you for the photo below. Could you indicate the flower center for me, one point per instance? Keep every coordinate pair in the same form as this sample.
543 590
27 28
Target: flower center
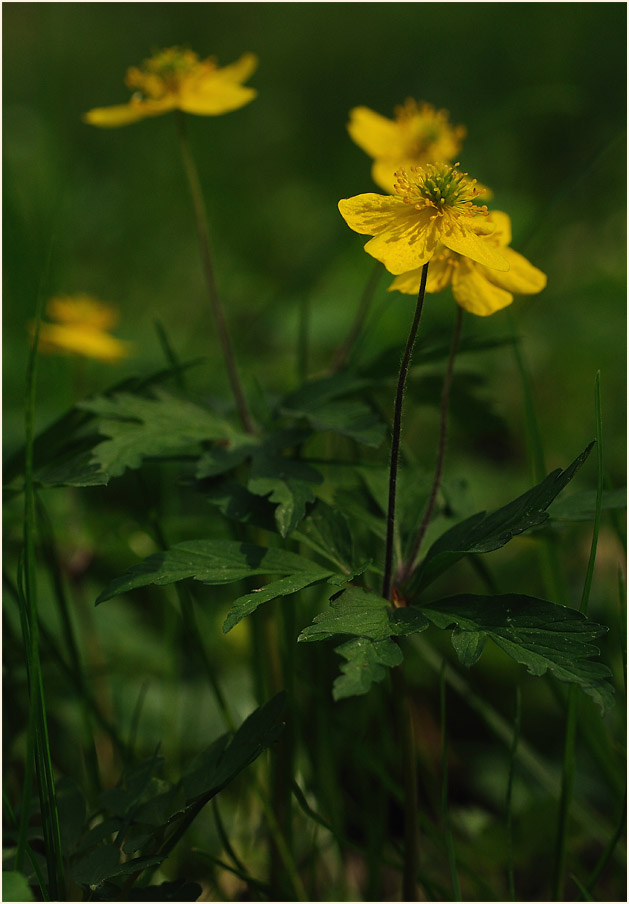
163 72
440 186
428 130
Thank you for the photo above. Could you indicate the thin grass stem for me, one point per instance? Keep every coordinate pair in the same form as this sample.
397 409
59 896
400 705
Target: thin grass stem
406 735
567 783
445 811
509 795
38 747
196 192
609 849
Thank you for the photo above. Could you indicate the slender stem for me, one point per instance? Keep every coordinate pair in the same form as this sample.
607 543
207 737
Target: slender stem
587 586
406 736
445 812
609 849
200 214
397 429
509 796
567 782
443 436
343 352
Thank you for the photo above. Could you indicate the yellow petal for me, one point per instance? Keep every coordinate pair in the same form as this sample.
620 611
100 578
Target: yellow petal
240 70
522 279
90 343
473 291
407 244
502 224
383 174
439 276
375 134
125 114
408 283
440 272
212 97
83 310
371 213
462 239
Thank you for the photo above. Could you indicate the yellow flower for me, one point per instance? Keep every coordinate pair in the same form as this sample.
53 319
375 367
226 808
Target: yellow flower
81 327
419 134
432 205
176 79
476 288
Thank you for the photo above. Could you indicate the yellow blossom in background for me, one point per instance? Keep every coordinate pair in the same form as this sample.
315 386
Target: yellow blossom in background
176 79
419 134
433 204
81 329
475 287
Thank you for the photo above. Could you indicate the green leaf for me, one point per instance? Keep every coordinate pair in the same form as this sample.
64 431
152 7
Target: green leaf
289 483
485 533
367 661
223 458
469 645
248 603
15 887
353 419
364 614
327 531
208 561
62 451
237 503
540 635
139 427
99 864
259 730
582 506
72 811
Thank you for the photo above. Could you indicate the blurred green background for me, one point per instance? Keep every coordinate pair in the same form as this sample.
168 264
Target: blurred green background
540 87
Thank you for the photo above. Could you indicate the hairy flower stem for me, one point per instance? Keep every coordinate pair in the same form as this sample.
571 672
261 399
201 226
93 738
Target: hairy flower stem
407 569
200 215
397 429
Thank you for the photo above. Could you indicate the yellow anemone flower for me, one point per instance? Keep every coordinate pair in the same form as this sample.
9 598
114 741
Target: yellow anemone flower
475 287
433 204
176 79
81 327
419 134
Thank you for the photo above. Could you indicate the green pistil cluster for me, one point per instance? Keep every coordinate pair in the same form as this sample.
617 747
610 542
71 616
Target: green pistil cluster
440 186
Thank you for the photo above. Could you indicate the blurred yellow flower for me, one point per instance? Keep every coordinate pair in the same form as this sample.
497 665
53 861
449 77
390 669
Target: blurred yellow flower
176 79
419 134
475 287
81 327
433 204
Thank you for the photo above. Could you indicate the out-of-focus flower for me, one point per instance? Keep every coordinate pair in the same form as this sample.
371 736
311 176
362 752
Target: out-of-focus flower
433 204
475 287
81 329
419 134
176 79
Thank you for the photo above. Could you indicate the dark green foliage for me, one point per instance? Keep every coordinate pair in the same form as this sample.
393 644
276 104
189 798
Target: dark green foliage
148 815
363 613
582 506
367 661
484 533
541 635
